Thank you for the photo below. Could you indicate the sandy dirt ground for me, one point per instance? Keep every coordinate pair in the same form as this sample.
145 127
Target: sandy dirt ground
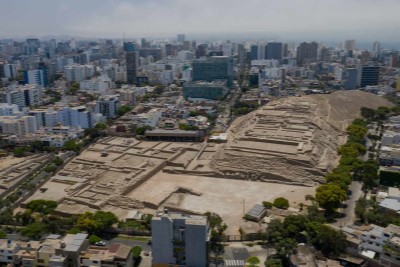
8 161
226 197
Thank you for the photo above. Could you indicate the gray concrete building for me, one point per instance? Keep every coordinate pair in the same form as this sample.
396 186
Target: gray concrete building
179 239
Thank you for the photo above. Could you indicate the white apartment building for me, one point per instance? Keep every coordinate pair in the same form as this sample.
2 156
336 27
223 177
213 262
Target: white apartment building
179 239
185 55
102 83
23 95
77 117
8 109
18 125
78 73
150 118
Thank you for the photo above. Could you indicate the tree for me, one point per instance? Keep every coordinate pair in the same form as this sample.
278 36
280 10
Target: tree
94 239
329 197
3 234
21 151
281 203
356 133
217 227
58 161
86 222
123 110
252 262
35 230
105 218
361 209
100 126
71 145
275 232
42 206
330 241
186 127
267 204
136 251
272 262
285 248
368 113
51 168
142 130
295 225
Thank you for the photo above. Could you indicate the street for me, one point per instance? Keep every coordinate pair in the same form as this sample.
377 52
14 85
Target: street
350 216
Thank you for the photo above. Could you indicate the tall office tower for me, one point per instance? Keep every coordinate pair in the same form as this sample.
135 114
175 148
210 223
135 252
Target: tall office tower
274 50
325 54
214 68
2 68
132 62
254 52
170 50
285 50
145 43
261 51
32 46
181 38
179 240
376 49
201 51
369 75
129 46
349 44
242 54
307 53
349 78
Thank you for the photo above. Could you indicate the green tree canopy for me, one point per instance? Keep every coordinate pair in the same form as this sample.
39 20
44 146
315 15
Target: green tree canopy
281 203
42 206
329 197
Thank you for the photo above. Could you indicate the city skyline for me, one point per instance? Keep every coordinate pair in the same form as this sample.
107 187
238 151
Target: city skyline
283 20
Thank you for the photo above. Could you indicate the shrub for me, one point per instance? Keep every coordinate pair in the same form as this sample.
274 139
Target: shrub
281 203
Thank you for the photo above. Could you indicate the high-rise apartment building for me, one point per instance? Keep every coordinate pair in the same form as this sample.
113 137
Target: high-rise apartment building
349 44
307 53
214 68
38 77
179 239
108 105
132 62
254 52
22 96
181 38
274 50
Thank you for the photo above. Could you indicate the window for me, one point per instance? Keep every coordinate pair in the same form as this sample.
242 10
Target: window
387 254
373 237
370 243
377 244
386 235
40 261
95 262
9 258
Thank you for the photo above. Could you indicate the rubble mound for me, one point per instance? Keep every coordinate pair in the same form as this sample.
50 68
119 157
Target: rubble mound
291 140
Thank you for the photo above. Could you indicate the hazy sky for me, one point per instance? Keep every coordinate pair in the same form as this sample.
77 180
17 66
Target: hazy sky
279 19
